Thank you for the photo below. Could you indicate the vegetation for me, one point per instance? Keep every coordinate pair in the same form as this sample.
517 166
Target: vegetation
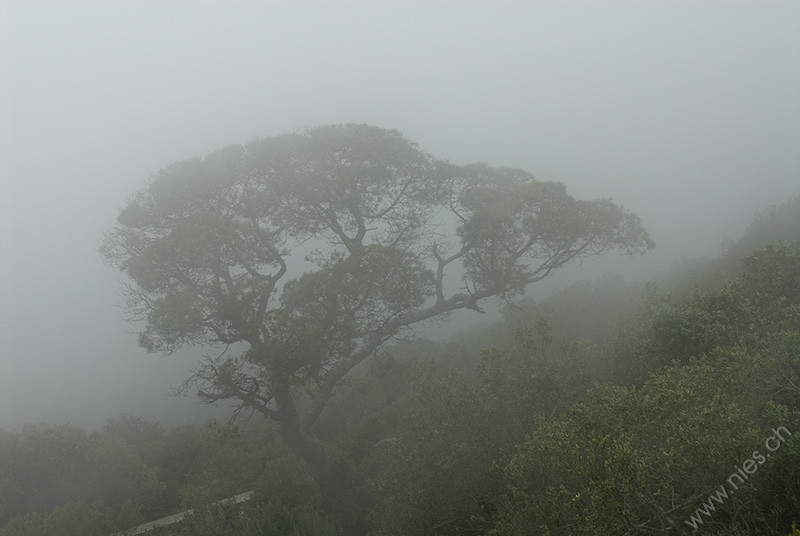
391 238
59 479
679 415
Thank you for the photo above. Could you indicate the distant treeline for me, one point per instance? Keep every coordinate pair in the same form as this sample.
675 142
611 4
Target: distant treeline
609 408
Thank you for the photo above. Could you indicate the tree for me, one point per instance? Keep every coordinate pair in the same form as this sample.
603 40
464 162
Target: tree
381 237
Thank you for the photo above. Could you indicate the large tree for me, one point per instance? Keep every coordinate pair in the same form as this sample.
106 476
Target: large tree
305 252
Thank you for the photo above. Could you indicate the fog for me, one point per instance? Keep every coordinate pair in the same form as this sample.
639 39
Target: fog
687 113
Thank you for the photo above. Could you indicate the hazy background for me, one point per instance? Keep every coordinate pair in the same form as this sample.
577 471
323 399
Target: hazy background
688 113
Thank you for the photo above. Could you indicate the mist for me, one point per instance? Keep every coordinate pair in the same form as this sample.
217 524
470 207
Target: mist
686 113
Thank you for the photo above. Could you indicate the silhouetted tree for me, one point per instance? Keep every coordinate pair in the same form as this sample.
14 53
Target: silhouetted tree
391 238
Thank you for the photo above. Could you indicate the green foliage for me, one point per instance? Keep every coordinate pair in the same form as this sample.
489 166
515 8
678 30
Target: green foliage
745 311
445 474
638 459
216 462
627 460
45 465
771 277
512 219
73 518
587 310
710 320
133 471
778 223
256 518
622 461
775 224
285 502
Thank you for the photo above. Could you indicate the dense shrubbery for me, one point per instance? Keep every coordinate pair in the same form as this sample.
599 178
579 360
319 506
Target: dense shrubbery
569 430
518 454
53 477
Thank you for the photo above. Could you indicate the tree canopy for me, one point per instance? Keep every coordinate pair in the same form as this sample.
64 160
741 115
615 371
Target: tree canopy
308 251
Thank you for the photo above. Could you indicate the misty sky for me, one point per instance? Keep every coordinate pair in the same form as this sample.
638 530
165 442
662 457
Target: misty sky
687 113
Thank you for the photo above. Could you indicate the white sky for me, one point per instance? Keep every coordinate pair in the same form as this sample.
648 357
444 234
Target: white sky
688 113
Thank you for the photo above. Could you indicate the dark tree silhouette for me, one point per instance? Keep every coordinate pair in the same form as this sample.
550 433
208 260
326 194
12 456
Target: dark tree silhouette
391 237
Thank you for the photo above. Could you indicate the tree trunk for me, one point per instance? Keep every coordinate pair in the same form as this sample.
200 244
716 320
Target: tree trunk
332 480
329 479
323 471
